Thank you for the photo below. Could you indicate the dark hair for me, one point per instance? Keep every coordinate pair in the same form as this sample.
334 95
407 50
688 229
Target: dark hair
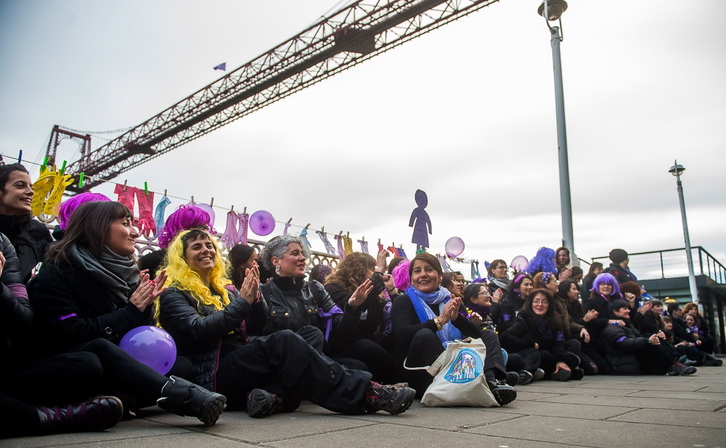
7 170
564 288
238 255
429 259
591 271
567 251
517 283
493 265
447 280
576 270
631 287
88 228
673 307
616 305
471 291
527 307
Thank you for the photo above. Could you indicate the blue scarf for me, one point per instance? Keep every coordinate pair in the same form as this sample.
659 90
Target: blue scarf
421 302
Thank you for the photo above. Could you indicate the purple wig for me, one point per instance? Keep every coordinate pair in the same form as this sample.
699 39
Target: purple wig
607 279
66 209
186 217
401 280
544 261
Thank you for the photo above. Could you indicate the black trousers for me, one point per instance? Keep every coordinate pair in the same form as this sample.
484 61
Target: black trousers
374 357
284 363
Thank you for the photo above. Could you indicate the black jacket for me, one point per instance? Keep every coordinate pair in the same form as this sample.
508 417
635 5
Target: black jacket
202 333
16 316
294 303
525 332
30 238
624 346
621 274
368 327
508 311
71 308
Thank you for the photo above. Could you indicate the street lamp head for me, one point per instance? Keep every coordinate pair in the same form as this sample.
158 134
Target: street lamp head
555 8
677 170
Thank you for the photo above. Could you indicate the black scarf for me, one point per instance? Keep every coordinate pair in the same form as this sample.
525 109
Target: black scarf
120 274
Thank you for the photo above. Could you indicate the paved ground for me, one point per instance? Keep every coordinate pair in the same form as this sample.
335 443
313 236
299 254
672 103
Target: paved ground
601 411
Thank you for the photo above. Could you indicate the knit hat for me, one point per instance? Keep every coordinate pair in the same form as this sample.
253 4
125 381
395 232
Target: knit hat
617 256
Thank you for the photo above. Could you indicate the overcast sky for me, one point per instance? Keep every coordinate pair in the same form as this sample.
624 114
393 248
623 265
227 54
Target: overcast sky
465 113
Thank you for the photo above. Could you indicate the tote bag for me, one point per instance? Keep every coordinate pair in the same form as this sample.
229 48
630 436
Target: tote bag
459 378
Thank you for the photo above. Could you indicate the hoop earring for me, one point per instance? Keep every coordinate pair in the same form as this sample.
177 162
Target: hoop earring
277 270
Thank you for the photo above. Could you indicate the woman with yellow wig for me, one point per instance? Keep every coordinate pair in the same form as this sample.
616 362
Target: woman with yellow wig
267 374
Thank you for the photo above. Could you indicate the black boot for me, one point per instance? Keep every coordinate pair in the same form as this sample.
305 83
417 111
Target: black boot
184 398
95 414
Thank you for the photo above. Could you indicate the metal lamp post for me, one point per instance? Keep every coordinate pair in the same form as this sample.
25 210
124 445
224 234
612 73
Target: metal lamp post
677 170
552 10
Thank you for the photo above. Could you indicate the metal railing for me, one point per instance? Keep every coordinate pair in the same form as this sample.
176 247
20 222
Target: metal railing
672 263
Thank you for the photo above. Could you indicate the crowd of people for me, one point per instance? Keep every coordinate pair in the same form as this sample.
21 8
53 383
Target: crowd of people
265 331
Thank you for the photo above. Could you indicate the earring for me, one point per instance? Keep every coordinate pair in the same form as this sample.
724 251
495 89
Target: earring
277 269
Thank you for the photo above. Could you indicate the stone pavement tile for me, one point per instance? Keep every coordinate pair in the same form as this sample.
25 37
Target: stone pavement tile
679 395
684 419
135 429
652 403
395 436
567 411
448 419
552 387
605 434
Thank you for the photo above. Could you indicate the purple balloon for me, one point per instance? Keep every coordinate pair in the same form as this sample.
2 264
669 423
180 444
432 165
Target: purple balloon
454 246
151 346
519 263
262 222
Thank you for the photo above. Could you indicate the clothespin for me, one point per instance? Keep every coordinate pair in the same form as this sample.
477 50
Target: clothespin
211 203
307 226
63 168
363 239
20 156
125 184
347 234
80 178
45 163
379 241
164 191
244 212
322 229
288 221
193 203
340 234
146 188
232 209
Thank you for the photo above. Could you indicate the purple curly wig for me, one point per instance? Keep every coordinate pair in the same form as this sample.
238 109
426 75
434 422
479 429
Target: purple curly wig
607 279
186 217
401 279
66 209
544 261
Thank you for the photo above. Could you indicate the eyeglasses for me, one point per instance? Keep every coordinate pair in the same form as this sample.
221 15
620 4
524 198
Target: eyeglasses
501 267
540 301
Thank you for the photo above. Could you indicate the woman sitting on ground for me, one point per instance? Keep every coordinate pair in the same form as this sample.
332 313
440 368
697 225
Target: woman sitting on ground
362 342
454 282
704 335
427 316
266 374
479 305
536 341
499 280
90 293
242 257
519 290
29 237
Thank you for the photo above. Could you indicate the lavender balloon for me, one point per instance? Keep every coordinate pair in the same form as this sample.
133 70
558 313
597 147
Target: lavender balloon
262 222
519 263
454 246
151 346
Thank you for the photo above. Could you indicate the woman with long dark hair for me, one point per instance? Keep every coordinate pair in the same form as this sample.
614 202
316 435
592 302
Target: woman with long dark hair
519 290
90 293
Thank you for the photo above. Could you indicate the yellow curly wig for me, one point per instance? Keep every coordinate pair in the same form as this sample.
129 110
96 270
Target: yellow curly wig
180 276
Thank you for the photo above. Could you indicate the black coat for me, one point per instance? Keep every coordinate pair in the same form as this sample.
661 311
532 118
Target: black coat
294 303
71 308
524 333
508 311
30 238
16 316
624 347
202 333
369 328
